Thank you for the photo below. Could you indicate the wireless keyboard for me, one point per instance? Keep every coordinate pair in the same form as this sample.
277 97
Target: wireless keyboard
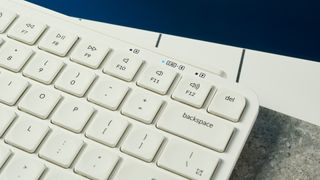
76 104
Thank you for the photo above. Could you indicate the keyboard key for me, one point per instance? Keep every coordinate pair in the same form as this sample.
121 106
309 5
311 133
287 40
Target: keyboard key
134 170
190 161
108 93
61 174
142 143
96 163
61 149
107 128
7 116
89 53
26 134
157 79
6 18
1 41
227 104
43 68
72 115
4 155
142 106
39 101
75 81
206 130
26 30
23 168
191 91
12 87
123 66
13 56
58 42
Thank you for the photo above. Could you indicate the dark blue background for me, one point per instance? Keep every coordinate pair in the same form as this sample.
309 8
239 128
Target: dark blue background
286 27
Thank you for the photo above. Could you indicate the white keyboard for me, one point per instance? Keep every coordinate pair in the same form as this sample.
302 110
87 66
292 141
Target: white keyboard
76 104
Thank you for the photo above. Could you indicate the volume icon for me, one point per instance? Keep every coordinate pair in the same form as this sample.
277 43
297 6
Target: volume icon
195 85
159 73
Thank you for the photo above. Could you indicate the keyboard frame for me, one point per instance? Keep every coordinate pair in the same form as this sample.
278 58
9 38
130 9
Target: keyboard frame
228 158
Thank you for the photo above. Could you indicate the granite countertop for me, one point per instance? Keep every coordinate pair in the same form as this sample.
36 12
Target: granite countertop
280 147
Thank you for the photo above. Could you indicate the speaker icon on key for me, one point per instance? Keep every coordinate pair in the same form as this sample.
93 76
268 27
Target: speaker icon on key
159 73
195 85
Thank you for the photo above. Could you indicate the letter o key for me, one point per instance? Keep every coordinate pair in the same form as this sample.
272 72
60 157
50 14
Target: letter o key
42 96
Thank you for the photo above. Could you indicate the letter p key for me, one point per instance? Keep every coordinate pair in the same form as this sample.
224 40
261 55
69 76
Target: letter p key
75 109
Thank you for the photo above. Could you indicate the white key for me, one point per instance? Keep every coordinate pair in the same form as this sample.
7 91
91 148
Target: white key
43 68
72 115
26 134
90 54
96 163
123 66
12 87
142 106
58 42
61 149
23 168
142 143
7 116
108 93
188 160
61 174
26 30
157 79
6 18
227 104
75 80
191 91
14 55
39 101
4 155
107 128
207 130
139 171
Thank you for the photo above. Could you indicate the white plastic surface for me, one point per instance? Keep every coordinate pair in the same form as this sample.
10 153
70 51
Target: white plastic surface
284 84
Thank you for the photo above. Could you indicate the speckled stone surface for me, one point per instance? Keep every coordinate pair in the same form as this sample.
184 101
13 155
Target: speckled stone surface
280 148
